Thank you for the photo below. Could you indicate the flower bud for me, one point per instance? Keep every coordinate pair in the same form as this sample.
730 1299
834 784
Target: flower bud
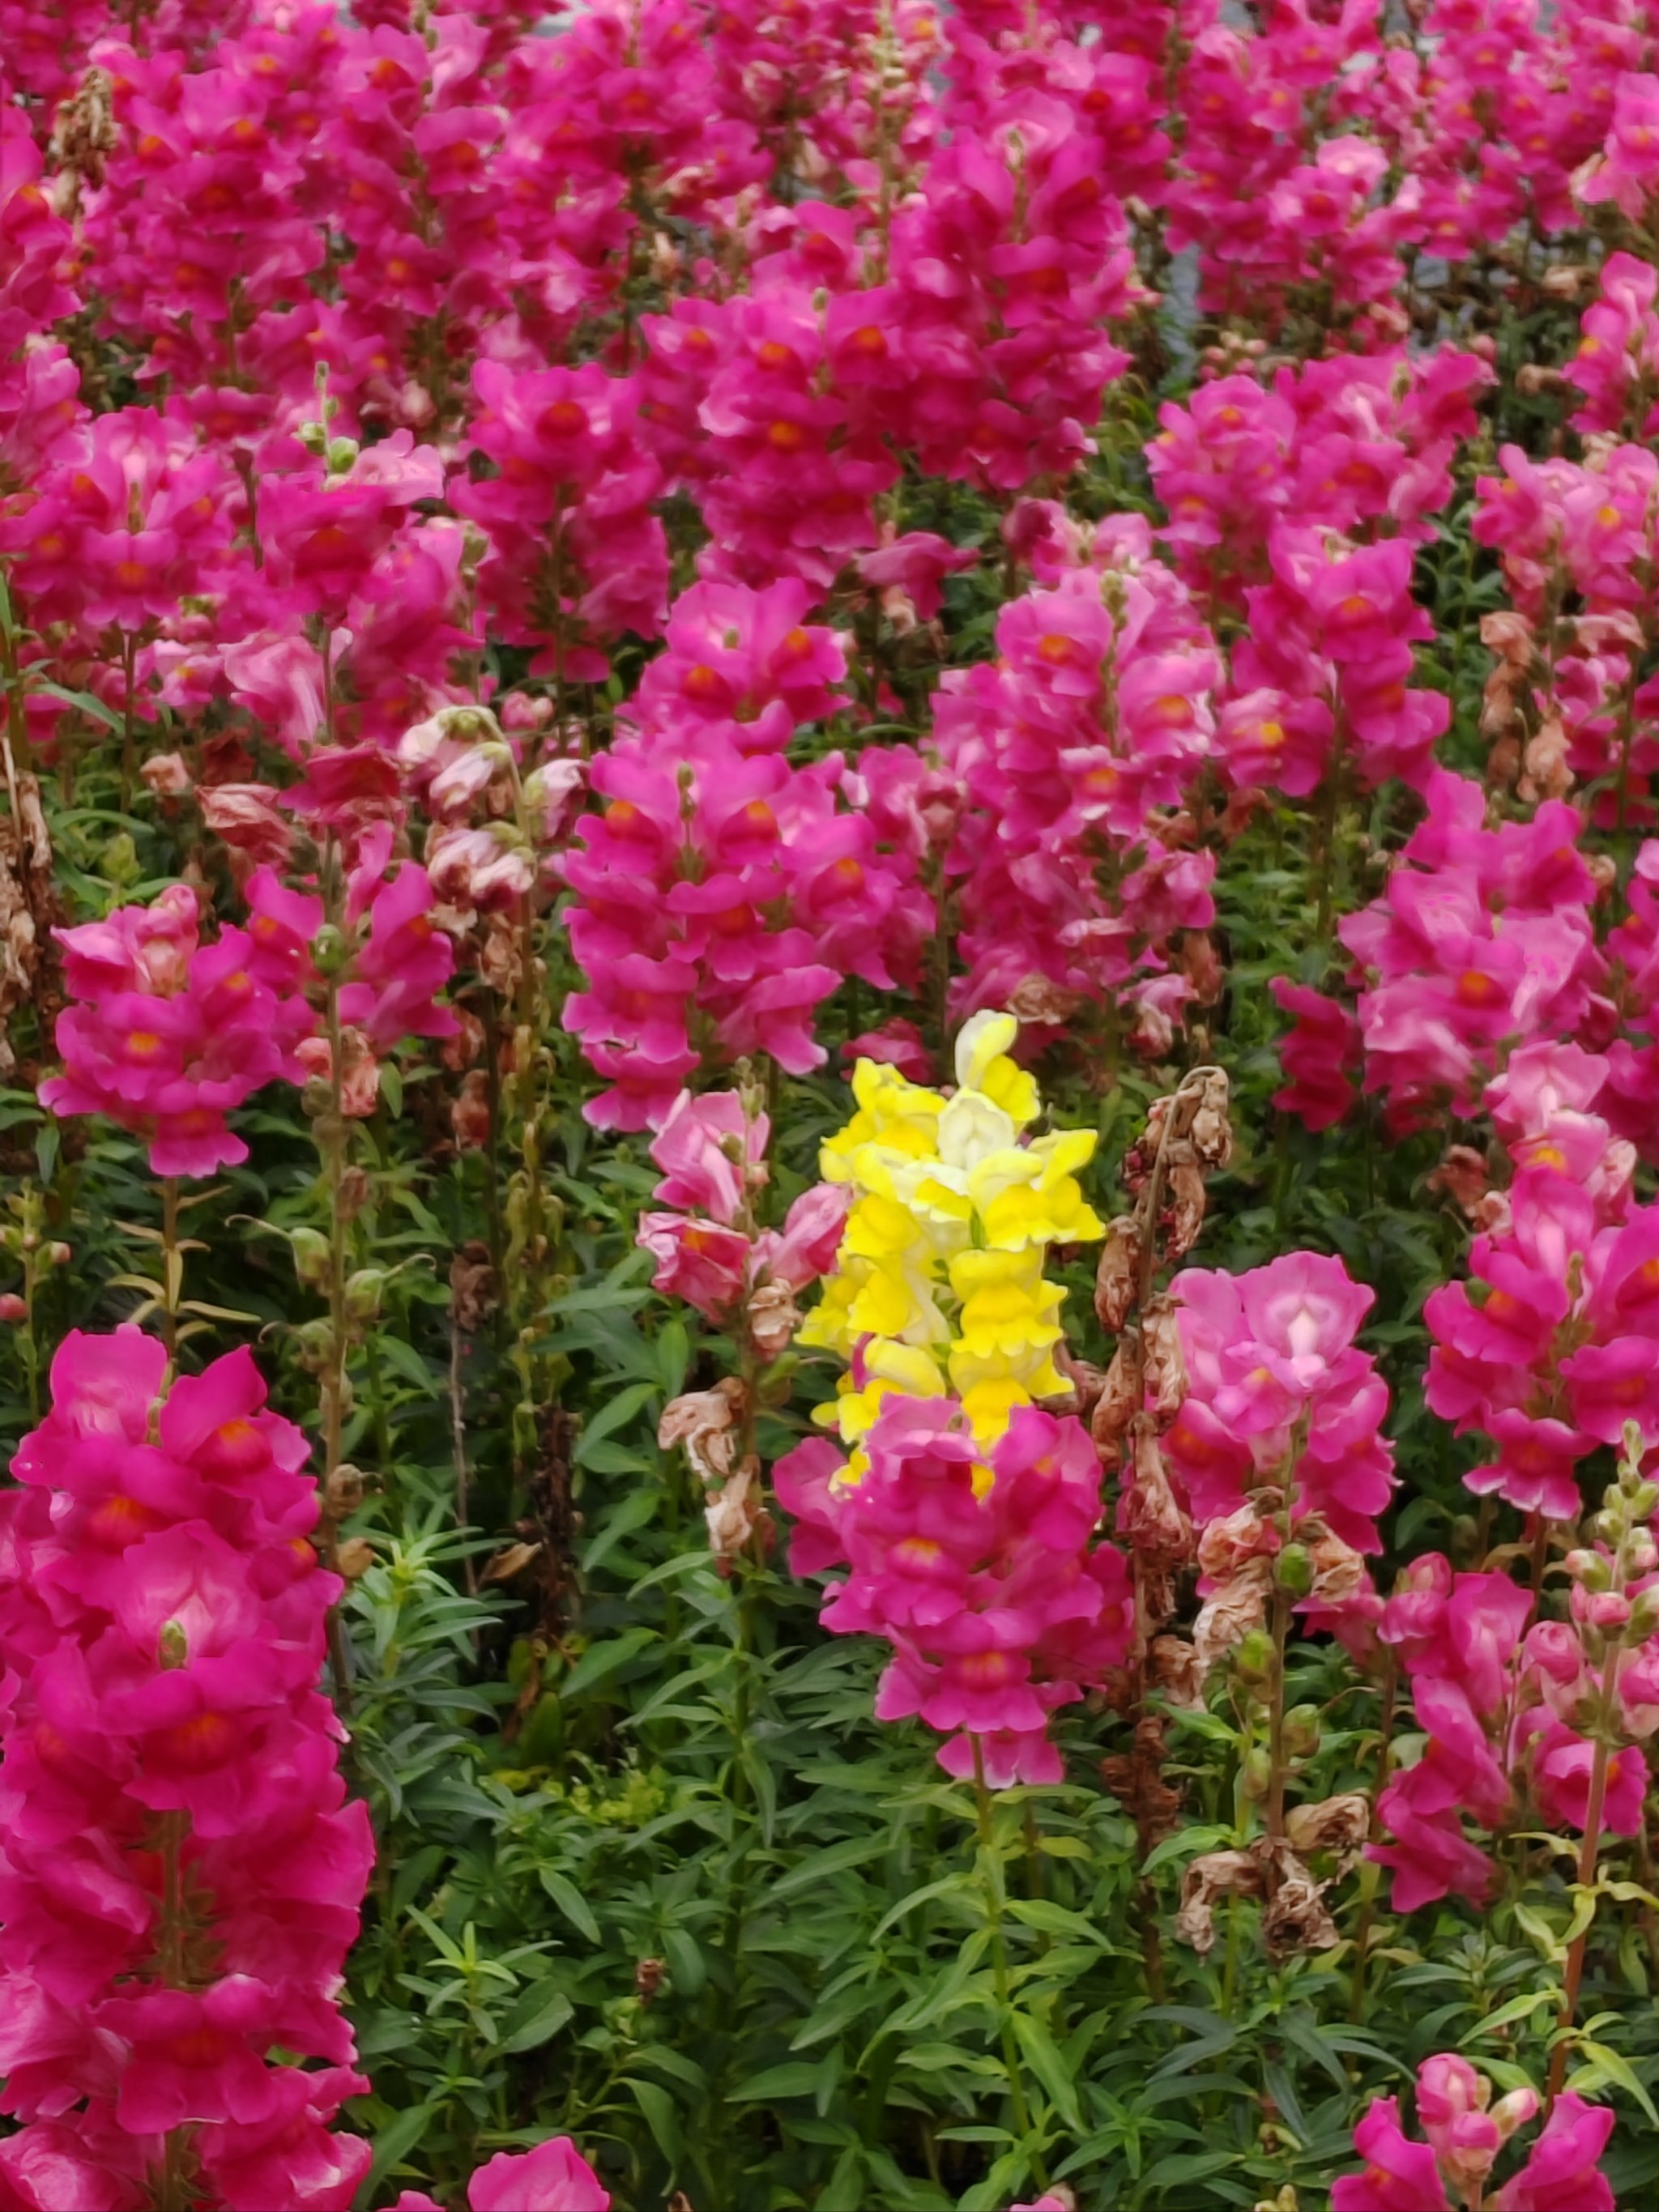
1253 1658
1301 1731
1607 1610
1513 2112
12 1308
1257 1774
1590 1570
362 1294
328 950
311 1257
1293 1570
58 1253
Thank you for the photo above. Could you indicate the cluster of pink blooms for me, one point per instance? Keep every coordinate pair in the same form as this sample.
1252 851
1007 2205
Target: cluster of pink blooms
170 1033
1299 505
1551 1348
1074 752
712 1152
1482 941
723 893
1503 1705
1576 540
1278 1396
999 1604
1467 2132
180 1873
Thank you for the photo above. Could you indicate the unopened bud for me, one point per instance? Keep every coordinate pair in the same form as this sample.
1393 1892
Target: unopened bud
1256 1774
362 1294
1293 1570
311 1257
1253 1659
1301 1731
328 950
1590 1570
12 1308
59 1252
1513 2112
342 454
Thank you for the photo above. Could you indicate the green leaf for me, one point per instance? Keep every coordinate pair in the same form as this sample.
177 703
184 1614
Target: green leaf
614 1415
571 1902
393 2145
602 1659
536 2019
1038 2050
1610 2066
796 2077
661 2117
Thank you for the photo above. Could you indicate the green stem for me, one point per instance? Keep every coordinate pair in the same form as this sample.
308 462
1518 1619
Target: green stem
990 1874
1589 1851
172 1271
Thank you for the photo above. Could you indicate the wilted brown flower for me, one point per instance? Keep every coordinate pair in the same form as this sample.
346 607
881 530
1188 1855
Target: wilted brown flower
1117 1277
706 1423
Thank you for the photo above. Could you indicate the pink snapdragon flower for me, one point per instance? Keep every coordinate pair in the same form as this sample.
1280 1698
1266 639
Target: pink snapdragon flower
980 1573
1466 2132
167 1034
704 1239
1270 1358
161 1614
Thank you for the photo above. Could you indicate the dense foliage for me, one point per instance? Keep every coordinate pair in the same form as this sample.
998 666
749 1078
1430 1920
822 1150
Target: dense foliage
829 965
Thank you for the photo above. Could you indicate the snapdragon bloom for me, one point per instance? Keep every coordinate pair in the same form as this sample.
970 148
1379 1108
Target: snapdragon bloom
554 2176
703 1233
1277 1392
182 1872
169 1034
1467 2130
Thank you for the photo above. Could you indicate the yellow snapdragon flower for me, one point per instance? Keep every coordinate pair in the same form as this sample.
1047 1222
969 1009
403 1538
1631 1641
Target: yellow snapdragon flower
939 1274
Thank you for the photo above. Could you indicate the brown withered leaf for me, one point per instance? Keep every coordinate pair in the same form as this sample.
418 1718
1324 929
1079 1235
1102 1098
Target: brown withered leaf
1463 1174
1135 1778
355 1558
1294 1916
511 1561
772 1318
28 901
1338 1824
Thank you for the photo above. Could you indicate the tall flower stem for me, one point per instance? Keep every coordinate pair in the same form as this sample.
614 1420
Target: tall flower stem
990 1877
1589 1851
172 1270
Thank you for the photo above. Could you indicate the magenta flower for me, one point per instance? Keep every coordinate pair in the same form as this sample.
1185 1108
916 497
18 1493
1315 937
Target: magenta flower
1400 2175
163 1625
169 1034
